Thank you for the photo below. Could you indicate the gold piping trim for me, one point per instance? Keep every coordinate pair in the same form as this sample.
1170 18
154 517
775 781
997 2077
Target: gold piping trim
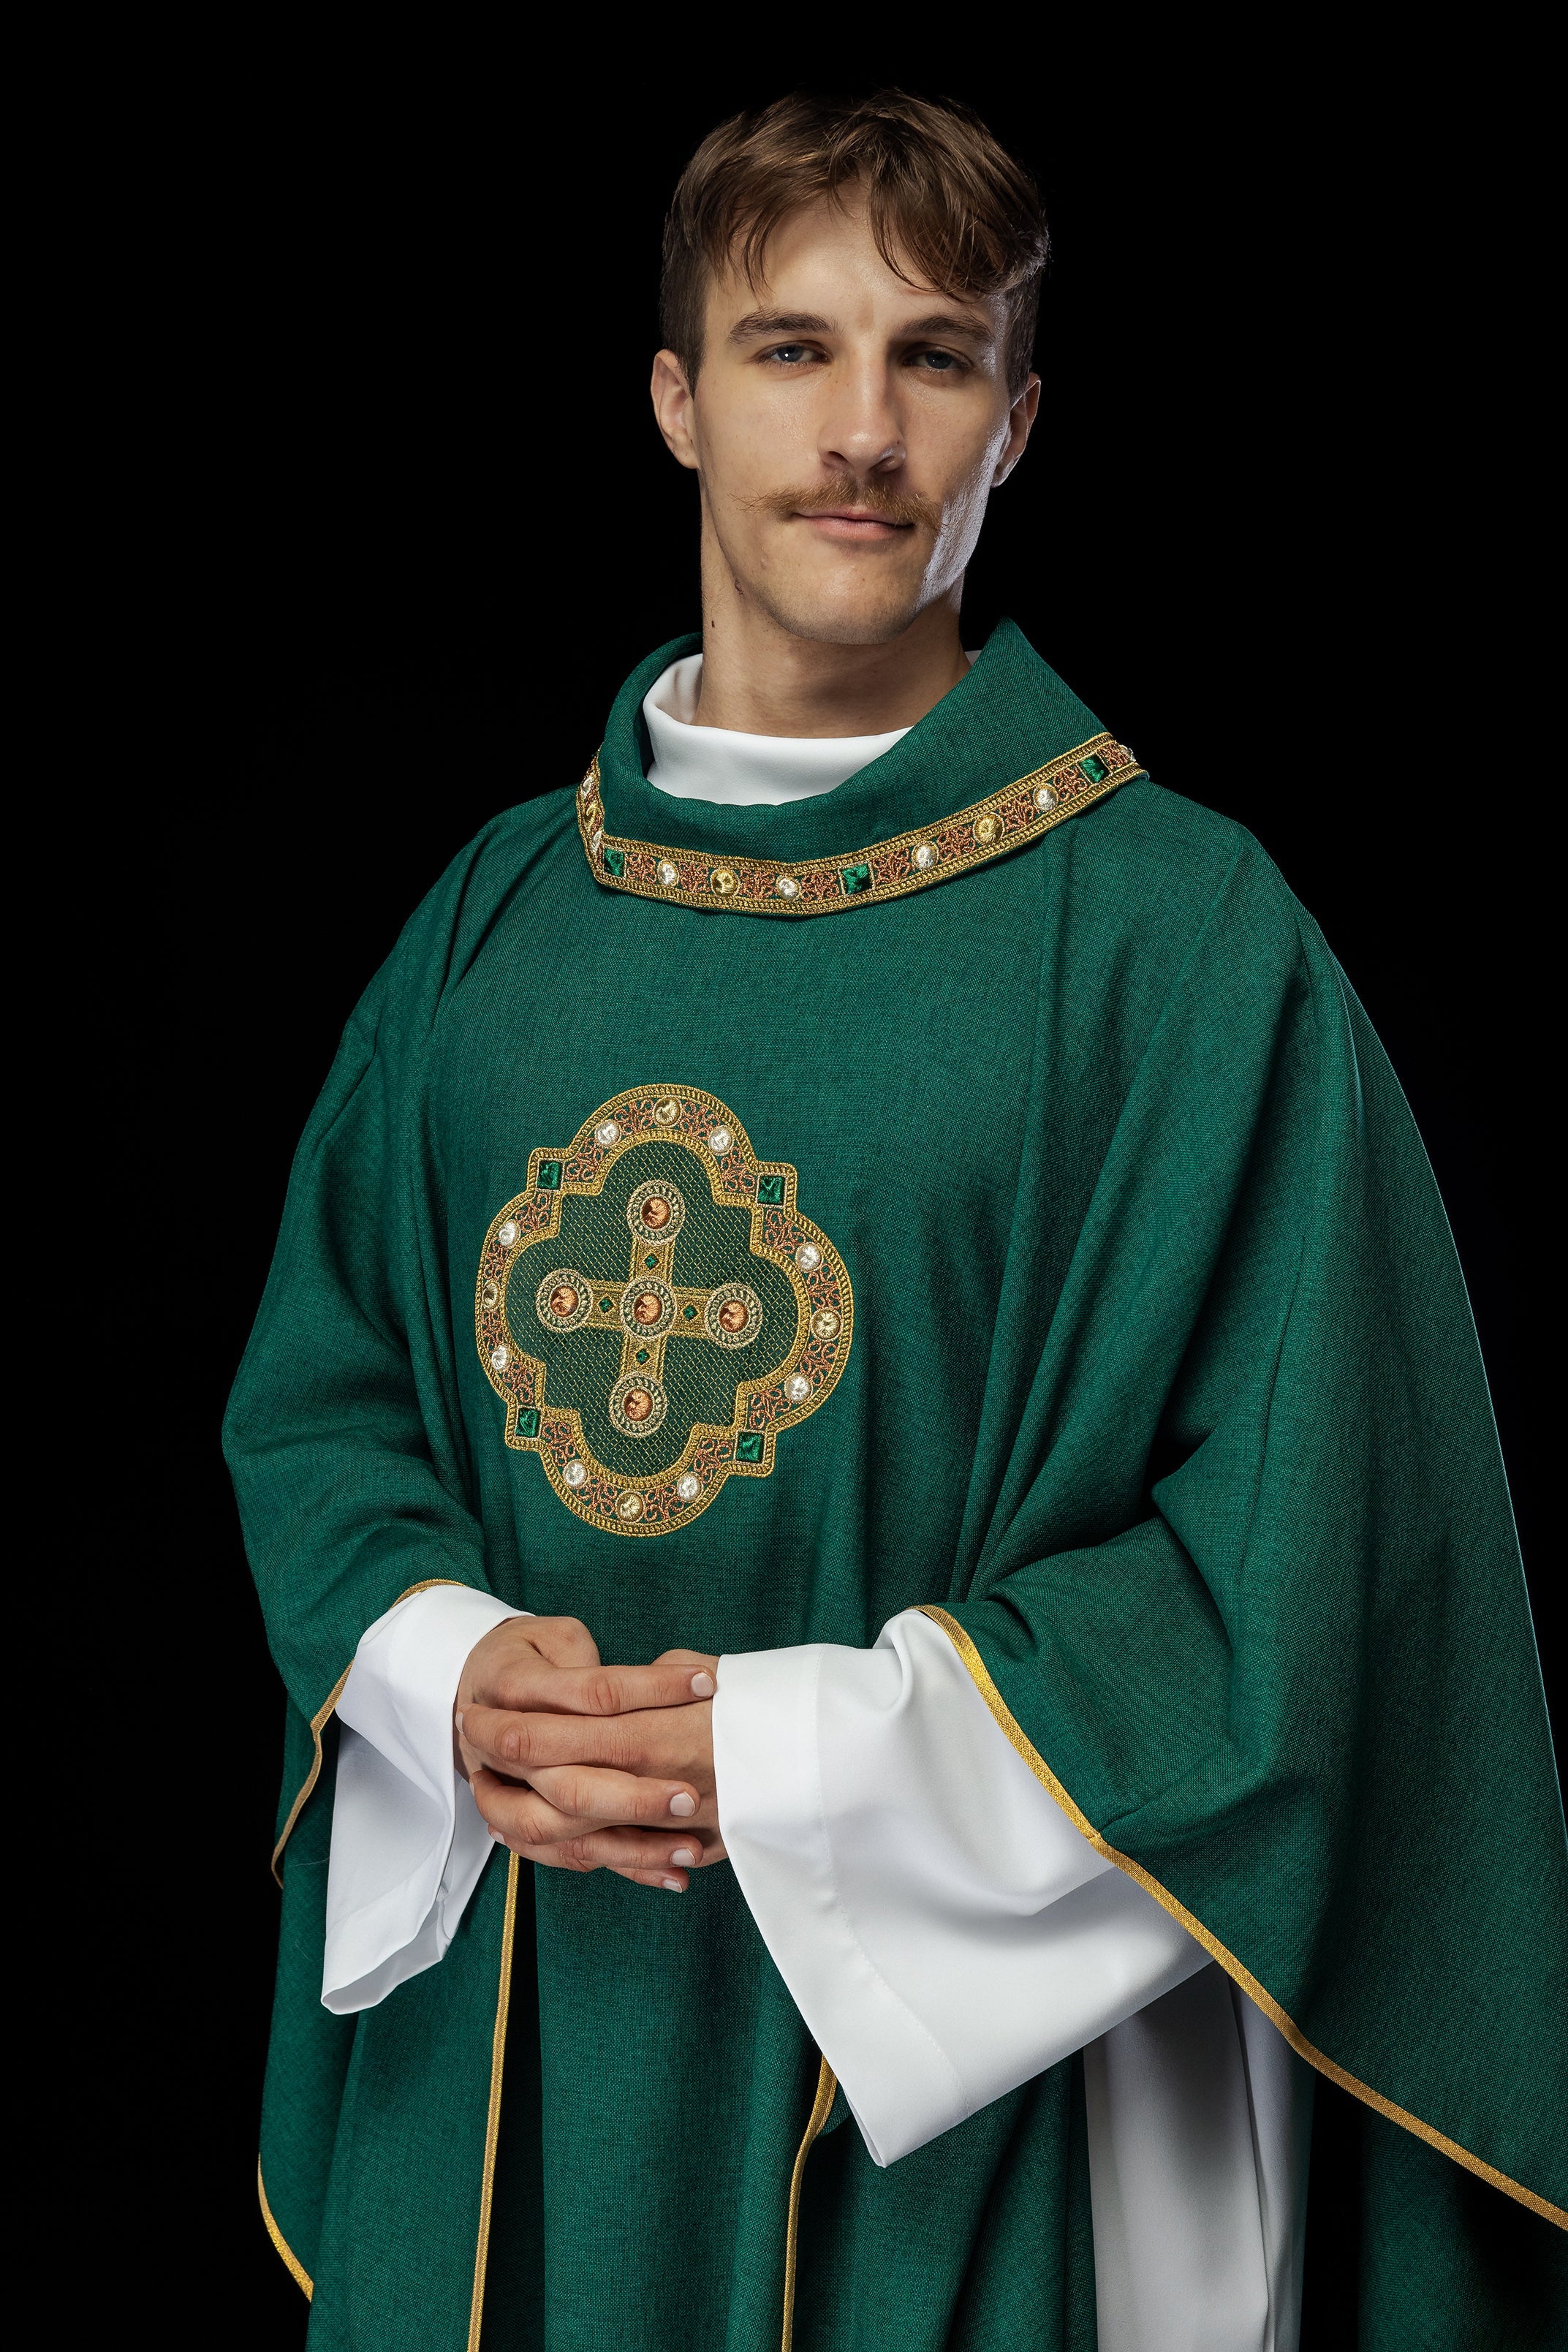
297 2269
493 2120
1227 1960
827 2084
1006 820
319 1723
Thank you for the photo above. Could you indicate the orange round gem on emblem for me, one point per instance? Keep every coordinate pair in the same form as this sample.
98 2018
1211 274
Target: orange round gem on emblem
563 1300
732 1314
648 1308
656 1214
636 1404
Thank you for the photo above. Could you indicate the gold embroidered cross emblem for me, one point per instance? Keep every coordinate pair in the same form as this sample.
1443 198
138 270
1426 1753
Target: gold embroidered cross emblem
655 1310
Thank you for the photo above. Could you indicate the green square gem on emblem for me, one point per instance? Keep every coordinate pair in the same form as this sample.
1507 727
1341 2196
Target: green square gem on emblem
528 1424
650 1263
690 1313
549 1178
1094 769
770 1191
854 879
749 1445
641 1355
616 861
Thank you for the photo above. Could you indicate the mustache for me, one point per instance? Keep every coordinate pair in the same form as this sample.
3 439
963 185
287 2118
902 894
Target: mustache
871 497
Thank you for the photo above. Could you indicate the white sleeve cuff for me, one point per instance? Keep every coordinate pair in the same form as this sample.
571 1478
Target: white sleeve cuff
944 1931
408 1841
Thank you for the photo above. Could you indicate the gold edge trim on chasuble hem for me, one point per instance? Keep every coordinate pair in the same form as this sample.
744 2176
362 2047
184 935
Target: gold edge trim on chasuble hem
493 2114
1227 1960
319 1723
294 2267
1005 821
827 2085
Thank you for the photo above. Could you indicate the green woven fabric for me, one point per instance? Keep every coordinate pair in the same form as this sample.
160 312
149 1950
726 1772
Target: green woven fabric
1163 1381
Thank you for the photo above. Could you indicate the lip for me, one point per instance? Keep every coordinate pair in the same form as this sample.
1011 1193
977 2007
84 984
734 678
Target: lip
856 522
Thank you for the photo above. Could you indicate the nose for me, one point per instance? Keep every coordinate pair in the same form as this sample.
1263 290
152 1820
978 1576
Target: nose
861 432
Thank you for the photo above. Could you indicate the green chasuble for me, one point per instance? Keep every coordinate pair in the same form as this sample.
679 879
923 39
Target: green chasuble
975 1188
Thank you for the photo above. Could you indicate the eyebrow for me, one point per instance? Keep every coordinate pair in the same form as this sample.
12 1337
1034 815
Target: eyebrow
948 323
778 323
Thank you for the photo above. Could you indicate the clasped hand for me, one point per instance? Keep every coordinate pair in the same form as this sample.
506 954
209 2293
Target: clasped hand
589 1767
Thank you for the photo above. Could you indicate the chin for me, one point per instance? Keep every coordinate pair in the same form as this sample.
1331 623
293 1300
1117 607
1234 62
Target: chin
843 613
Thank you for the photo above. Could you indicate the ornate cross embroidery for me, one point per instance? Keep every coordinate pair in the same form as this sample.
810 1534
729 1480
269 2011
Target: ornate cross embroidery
654 1309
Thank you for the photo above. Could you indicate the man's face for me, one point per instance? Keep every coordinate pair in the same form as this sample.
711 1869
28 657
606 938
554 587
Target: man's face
848 428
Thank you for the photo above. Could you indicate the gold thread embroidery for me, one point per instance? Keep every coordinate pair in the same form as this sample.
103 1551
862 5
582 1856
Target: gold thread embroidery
1227 1960
1008 819
319 1723
827 2084
296 2268
725 1315
493 2117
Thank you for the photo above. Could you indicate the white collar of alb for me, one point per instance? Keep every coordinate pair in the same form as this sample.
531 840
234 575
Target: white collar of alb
718 764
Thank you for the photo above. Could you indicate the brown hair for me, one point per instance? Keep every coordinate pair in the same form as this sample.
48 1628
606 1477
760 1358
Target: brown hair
942 197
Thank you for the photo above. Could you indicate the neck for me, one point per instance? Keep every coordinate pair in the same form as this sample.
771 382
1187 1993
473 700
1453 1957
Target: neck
760 678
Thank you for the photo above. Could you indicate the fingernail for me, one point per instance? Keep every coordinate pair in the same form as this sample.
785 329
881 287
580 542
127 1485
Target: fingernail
703 1685
498 1836
682 1854
457 1720
683 1806
673 1885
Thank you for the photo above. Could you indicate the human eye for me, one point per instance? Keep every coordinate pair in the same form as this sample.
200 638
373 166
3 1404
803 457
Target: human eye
788 354
938 363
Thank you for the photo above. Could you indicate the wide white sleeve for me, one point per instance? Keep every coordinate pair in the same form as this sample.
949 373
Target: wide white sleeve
944 1931
408 1841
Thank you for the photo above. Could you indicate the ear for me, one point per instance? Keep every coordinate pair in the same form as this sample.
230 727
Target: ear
673 409
1020 416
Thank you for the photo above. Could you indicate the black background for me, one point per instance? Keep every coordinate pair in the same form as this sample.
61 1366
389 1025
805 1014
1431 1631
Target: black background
389 446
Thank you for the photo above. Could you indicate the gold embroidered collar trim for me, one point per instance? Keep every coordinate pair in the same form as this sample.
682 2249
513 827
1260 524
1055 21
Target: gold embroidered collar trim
990 828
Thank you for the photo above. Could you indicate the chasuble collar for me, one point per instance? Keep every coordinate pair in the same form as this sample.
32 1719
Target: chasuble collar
1005 755
736 770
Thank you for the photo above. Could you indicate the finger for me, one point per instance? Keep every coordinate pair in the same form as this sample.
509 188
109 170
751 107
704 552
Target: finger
673 1882
705 1680
522 1815
522 1687
519 1744
611 1850
592 1794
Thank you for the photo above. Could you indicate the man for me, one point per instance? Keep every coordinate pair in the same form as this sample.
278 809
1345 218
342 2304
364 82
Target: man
998 1354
